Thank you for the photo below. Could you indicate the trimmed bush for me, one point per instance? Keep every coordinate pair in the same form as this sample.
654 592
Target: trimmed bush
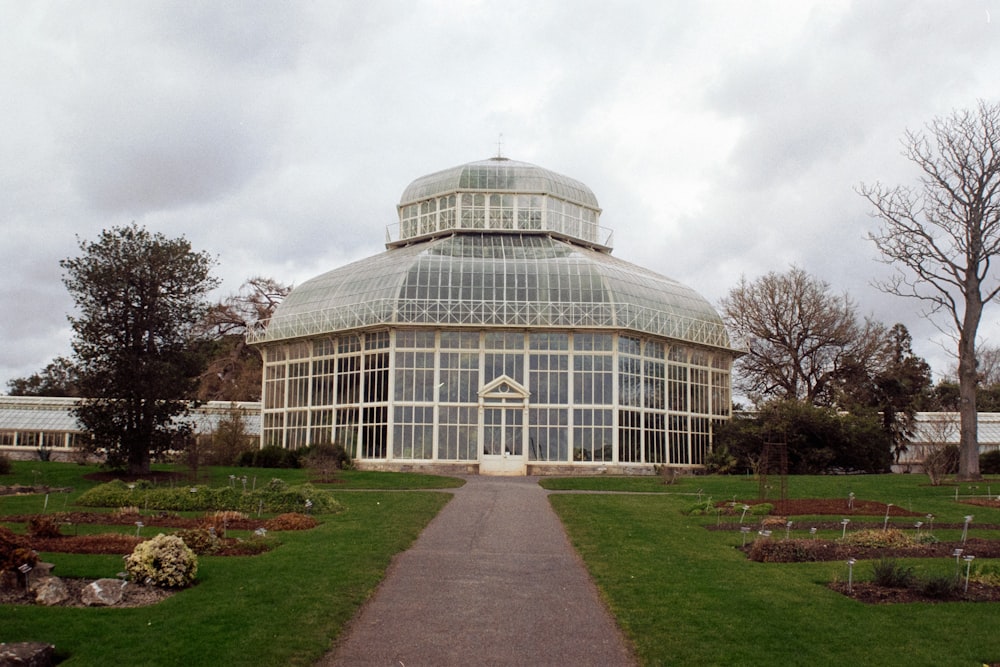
291 521
5 464
164 561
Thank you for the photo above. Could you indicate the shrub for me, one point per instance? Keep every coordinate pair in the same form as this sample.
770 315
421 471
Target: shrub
326 460
164 561
787 551
989 462
200 540
761 509
291 521
890 573
270 457
43 526
940 587
5 465
872 537
940 462
14 551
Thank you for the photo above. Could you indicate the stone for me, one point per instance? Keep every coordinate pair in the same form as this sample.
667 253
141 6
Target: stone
102 593
27 654
50 591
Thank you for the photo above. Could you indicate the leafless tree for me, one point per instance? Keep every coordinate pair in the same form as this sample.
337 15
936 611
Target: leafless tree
942 237
799 335
233 372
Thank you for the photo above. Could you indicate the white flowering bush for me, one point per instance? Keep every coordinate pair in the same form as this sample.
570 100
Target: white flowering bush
163 561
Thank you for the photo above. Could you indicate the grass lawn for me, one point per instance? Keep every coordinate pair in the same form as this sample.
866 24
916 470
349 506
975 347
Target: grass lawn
686 596
284 607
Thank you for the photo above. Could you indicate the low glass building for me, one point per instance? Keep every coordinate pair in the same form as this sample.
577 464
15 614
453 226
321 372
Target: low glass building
497 334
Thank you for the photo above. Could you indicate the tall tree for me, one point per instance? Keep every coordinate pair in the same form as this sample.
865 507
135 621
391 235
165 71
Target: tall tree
138 296
233 371
800 336
942 237
894 384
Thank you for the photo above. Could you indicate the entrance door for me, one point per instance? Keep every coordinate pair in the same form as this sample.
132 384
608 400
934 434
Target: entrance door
503 441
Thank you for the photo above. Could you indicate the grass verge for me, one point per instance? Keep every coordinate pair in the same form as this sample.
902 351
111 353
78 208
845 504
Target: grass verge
285 607
686 595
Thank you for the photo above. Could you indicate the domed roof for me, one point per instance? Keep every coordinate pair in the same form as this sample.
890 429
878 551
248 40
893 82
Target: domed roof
496 175
488 280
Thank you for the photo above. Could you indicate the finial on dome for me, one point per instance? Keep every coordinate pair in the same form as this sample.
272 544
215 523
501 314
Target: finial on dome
500 147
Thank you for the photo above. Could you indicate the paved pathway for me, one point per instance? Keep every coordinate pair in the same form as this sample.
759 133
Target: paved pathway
492 580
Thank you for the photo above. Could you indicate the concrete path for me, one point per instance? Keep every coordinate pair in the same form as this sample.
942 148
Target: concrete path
492 580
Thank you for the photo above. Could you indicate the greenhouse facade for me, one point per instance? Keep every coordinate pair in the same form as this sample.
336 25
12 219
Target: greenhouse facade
497 334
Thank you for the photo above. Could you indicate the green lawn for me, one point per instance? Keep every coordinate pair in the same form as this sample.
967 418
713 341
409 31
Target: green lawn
686 596
683 594
284 607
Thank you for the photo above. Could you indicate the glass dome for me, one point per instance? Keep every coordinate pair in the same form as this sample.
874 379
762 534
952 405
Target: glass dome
499 195
497 279
496 334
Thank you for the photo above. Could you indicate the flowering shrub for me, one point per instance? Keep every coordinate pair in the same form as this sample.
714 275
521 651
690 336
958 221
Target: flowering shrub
163 561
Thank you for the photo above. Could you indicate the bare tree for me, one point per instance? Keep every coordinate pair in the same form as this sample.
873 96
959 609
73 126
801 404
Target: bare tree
942 237
233 371
800 337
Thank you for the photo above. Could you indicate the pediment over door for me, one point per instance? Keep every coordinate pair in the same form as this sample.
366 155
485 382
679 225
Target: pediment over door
504 388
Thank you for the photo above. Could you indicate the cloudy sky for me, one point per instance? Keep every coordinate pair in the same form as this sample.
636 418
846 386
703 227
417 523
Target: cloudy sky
721 138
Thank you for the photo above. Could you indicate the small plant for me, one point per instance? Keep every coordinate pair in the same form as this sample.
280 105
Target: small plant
890 573
164 561
700 508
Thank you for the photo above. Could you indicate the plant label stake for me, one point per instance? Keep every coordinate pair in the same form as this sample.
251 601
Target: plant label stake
743 516
850 575
965 528
968 567
812 532
885 524
788 529
843 532
850 500
745 530
138 527
957 554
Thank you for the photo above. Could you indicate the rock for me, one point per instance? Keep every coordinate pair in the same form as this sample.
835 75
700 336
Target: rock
27 654
49 591
102 593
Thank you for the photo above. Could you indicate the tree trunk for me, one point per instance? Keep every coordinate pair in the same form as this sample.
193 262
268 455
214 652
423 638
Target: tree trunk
968 462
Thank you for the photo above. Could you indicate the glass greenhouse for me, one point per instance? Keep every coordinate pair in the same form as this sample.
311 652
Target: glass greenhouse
497 334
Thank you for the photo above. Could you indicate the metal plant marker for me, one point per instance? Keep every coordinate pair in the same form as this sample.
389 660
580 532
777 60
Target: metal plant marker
138 527
850 575
843 532
968 568
743 516
885 524
746 531
850 500
965 528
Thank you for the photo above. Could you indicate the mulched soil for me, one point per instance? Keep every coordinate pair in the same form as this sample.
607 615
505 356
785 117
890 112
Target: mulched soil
871 593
